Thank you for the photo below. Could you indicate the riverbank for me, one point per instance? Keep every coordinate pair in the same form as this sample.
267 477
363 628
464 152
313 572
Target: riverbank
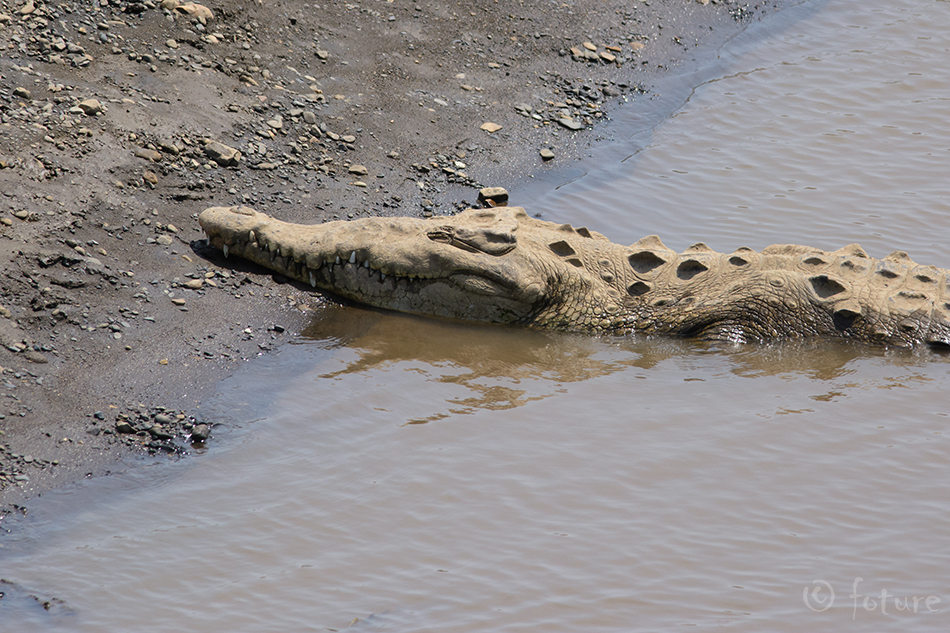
121 122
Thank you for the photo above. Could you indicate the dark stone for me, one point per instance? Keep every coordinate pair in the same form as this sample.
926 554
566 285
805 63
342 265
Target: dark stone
200 433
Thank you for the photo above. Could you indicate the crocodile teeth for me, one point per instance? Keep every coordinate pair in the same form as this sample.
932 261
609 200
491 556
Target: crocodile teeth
366 264
337 260
251 237
313 280
353 257
225 249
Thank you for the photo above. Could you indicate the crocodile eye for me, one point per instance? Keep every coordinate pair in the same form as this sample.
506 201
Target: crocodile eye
492 240
441 235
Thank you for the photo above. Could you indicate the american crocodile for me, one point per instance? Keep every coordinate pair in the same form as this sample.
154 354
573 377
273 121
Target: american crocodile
501 266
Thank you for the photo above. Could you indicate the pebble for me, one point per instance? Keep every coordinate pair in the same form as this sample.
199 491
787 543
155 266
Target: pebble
546 154
490 127
23 93
194 10
159 433
200 433
147 154
358 170
90 107
222 154
496 196
570 123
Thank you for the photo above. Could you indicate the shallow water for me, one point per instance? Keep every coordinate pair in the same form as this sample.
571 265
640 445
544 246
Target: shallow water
427 476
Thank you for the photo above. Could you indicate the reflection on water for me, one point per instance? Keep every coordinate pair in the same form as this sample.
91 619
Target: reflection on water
504 368
572 483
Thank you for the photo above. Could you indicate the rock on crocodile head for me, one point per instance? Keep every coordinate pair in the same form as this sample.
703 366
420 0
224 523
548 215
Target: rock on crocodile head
482 264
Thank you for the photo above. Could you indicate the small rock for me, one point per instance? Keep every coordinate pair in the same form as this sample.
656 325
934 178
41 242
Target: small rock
35 357
147 154
222 154
150 177
589 46
178 302
546 154
123 426
23 93
200 433
164 240
159 433
90 107
490 127
358 170
570 123
195 10
494 196
193 284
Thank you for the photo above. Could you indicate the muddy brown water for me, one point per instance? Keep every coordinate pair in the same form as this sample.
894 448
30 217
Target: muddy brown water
402 474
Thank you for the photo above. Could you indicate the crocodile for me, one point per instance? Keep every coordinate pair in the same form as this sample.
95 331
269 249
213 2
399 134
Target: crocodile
499 265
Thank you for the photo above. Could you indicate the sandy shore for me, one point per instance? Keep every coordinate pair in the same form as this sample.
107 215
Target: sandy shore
120 120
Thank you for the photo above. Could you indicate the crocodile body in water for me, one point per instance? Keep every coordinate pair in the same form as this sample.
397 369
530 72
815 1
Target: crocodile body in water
501 266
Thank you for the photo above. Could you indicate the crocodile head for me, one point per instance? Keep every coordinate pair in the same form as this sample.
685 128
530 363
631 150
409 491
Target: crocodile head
492 265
